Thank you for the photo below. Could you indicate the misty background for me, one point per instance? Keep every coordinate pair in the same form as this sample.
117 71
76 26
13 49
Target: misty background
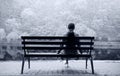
99 18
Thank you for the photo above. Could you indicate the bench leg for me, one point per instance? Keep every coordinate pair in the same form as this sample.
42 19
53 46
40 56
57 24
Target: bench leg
66 61
29 62
86 62
91 60
23 61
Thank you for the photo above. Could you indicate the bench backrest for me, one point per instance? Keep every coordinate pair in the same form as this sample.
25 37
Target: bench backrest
54 42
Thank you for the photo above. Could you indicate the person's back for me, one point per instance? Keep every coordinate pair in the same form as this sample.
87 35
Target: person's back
70 43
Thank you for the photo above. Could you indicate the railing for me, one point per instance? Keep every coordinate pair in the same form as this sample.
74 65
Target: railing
97 45
100 47
112 45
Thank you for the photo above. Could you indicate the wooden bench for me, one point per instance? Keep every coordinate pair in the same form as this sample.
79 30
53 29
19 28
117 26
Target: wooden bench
50 43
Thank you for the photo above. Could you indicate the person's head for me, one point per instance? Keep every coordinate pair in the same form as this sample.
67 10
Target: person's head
71 27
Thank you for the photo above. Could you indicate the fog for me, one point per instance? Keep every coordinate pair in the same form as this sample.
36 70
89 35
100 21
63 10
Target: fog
99 18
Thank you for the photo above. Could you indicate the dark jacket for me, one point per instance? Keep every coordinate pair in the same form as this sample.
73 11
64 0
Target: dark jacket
70 43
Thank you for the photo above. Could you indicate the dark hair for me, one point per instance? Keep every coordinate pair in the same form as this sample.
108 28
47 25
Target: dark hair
71 26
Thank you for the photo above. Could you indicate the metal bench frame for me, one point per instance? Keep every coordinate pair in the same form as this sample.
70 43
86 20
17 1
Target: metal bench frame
29 40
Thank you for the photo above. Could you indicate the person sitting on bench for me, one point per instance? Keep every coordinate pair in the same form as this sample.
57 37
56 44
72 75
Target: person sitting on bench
70 42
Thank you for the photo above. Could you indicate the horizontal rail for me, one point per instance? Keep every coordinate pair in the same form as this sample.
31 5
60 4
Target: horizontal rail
106 48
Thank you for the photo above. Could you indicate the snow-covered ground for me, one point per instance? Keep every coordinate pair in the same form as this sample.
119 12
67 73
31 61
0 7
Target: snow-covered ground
57 67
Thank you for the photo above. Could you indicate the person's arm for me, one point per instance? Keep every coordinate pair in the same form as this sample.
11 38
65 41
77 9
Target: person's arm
78 45
60 49
61 46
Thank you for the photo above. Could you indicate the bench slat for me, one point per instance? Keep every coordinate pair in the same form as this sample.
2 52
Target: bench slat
55 43
54 37
56 55
56 48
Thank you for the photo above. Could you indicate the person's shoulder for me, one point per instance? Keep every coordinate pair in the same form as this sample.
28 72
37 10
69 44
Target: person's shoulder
66 34
69 32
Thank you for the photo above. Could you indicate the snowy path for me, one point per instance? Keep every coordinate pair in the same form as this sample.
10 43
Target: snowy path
58 68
